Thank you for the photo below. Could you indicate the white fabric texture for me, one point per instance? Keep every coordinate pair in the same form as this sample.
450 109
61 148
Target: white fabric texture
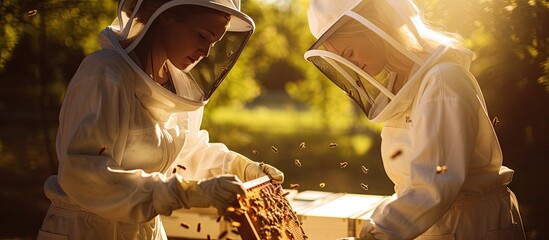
438 144
447 126
119 137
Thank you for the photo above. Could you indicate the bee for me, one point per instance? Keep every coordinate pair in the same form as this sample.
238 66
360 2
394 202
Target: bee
274 149
235 224
185 225
322 185
350 93
294 185
302 145
230 209
333 145
32 12
218 219
396 154
364 186
365 170
102 150
297 162
495 121
343 164
198 227
174 170
208 237
255 151
442 169
222 234
285 194
182 167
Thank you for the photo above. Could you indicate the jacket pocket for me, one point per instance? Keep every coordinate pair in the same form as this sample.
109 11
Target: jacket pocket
447 236
43 235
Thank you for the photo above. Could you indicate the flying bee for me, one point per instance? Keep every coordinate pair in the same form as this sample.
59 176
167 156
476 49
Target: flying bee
222 235
235 224
32 12
343 164
294 185
274 149
333 145
255 151
297 162
185 225
198 227
495 121
364 186
181 166
102 150
322 185
442 169
302 145
174 170
365 170
396 154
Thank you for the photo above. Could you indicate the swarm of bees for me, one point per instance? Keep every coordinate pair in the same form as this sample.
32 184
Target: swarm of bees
342 165
265 213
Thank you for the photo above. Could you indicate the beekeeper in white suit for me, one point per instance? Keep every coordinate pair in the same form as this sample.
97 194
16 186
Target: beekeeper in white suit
438 144
132 113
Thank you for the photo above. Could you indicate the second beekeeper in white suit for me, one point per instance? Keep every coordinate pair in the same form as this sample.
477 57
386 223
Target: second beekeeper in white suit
438 145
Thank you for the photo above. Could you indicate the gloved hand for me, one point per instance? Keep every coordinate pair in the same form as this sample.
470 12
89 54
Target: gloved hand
247 170
219 192
366 236
365 232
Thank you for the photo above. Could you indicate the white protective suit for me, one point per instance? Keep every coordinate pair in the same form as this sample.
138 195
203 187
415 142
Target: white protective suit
438 119
121 134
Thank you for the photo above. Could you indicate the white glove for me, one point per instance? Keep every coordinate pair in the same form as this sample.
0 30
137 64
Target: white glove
248 170
219 192
365 233
366 236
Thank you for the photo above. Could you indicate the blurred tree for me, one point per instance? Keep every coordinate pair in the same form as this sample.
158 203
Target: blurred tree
274 58
40 42
511 41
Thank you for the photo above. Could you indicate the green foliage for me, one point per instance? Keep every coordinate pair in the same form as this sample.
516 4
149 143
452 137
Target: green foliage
9 25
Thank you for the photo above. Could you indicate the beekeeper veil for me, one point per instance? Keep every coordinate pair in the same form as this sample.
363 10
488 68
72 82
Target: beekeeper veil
202 77
351 33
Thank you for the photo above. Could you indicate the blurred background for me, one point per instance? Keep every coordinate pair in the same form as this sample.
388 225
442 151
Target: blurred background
274 98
